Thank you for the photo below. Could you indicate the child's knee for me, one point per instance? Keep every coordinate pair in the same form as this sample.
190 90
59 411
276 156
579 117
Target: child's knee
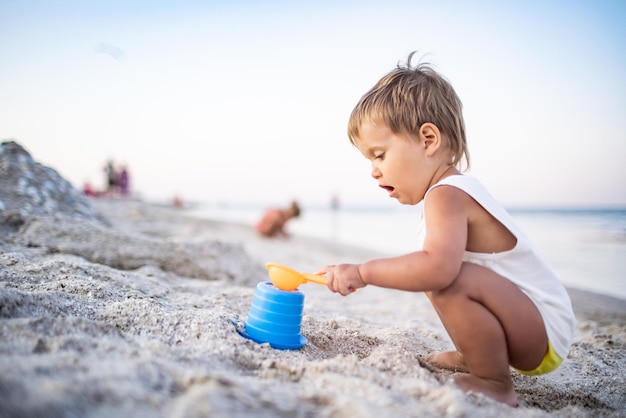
441 297
460 288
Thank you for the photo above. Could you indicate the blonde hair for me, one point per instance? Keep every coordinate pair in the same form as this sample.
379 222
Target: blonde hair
406 98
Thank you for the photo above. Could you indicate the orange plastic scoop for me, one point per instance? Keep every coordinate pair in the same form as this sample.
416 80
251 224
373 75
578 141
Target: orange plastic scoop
286 278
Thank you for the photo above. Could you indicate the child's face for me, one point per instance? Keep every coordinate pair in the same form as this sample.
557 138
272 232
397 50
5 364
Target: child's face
400 164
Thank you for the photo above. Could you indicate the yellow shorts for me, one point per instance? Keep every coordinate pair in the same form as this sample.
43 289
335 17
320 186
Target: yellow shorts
549 363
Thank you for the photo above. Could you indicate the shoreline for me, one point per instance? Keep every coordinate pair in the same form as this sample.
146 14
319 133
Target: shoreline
586 298
130 316
585 252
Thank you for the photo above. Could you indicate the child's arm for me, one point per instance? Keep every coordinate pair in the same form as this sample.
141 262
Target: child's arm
433 268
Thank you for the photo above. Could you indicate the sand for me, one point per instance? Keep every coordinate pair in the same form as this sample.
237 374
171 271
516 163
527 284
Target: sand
120 308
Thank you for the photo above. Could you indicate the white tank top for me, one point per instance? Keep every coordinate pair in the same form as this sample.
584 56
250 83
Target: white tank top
523 265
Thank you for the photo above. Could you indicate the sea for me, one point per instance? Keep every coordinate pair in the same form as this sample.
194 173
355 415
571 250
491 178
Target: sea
586 247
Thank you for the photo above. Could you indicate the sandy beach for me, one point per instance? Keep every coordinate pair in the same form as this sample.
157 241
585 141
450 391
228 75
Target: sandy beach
112 307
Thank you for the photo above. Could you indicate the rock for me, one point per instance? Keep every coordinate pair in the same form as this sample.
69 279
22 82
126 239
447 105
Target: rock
28 188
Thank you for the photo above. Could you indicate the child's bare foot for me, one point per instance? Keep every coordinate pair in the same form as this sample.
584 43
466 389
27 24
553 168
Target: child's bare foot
499 391
449 360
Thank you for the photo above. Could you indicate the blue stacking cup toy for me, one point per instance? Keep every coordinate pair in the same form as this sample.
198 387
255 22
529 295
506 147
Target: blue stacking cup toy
275 317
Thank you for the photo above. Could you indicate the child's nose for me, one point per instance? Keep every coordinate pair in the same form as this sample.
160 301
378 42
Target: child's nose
376 172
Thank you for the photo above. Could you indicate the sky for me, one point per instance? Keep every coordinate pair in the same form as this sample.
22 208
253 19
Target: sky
247 101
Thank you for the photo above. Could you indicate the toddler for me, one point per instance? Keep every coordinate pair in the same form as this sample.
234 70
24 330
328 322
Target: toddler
498 299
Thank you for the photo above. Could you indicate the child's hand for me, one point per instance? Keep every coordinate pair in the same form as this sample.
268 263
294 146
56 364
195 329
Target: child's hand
343 278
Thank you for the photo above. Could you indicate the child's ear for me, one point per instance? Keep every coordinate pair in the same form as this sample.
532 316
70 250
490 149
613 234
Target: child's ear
430 137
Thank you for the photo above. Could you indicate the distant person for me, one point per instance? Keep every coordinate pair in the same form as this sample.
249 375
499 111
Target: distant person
123 182
500 302
177 202
273 222
334 217
334 202
88 189
111 178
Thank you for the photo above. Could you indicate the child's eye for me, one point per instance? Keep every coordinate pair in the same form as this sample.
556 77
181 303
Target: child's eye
379 156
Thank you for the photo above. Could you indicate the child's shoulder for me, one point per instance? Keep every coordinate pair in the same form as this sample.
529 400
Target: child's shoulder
466 183
466 186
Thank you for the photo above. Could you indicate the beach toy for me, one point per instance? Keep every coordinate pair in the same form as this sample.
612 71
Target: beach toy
275 317
286 278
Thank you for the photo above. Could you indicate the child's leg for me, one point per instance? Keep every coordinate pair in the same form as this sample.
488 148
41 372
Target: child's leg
493 324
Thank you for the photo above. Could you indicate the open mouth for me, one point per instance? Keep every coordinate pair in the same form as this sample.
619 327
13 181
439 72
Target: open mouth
388 188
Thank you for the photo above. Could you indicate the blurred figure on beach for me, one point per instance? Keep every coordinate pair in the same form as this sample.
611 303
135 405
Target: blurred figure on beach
123 182
178 202
334 219
273 222
334 202
88 189
117 182
110 179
